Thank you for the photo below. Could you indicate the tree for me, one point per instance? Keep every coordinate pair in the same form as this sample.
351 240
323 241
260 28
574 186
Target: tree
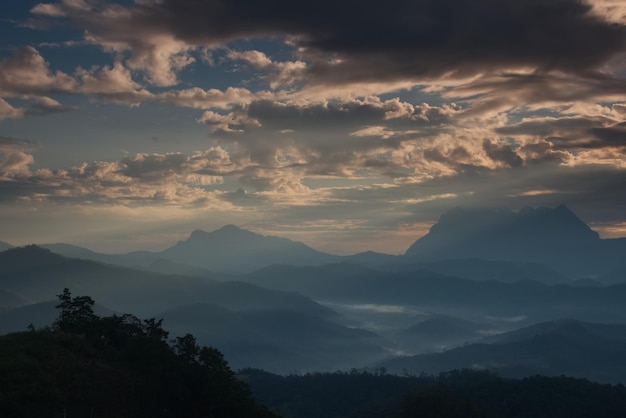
153 329
76 314
187 348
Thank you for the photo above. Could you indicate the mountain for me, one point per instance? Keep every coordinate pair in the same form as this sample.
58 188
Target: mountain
39 275
277 340
562 347
481 270
616 275
372 259
9 300
233 249
39 315
258 327
227 250
387 302
555 237
5 246
439 332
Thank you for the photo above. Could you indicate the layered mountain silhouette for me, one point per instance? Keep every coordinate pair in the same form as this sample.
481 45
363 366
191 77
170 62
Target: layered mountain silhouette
229 249
562 347
551 245
258 327
275 303
424 290
39 275
277 340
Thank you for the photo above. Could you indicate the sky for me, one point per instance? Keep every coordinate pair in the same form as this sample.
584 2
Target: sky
346 125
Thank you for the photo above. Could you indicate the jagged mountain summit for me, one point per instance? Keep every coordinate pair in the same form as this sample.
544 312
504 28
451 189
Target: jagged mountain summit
555 237
231 248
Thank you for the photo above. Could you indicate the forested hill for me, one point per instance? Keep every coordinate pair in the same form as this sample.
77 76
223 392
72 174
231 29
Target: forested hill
117 366
456 394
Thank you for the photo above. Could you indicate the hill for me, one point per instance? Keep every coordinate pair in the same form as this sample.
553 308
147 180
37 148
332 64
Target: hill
38 274
9 300
277 340
426 291
115 366
565 347
457 394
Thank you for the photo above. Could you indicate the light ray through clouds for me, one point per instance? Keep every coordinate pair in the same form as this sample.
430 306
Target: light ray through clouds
334 124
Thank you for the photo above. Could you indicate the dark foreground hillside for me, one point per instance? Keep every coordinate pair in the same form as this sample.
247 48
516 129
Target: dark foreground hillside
118 366
456 394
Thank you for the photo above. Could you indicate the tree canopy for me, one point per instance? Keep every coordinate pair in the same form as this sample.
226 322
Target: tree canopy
115 366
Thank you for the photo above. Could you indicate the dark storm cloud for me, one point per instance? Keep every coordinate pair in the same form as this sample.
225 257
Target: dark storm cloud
502 153
611 136
402 39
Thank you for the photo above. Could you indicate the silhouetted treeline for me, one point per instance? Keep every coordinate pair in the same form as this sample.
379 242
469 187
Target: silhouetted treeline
456 394
117 366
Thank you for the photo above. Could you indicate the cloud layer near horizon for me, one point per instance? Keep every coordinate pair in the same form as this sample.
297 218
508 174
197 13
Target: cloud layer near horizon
376 115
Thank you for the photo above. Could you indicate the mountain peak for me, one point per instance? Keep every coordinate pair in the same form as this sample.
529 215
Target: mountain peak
231 229
236 249
546 235
226 232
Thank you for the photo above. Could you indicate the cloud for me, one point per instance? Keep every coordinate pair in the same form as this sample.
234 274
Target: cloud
208 99
114 84
502 153
119 30
531 90
9 112
15 157
26 73
172 178
401 40
277 74
408 38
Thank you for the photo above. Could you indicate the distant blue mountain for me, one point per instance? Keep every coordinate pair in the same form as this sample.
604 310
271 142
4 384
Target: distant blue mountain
555 237
5 246
237 250
542 244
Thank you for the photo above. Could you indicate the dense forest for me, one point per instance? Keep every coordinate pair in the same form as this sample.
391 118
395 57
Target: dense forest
455 394
115 366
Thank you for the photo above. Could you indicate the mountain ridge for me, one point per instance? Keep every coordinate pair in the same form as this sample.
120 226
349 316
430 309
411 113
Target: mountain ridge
552 237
